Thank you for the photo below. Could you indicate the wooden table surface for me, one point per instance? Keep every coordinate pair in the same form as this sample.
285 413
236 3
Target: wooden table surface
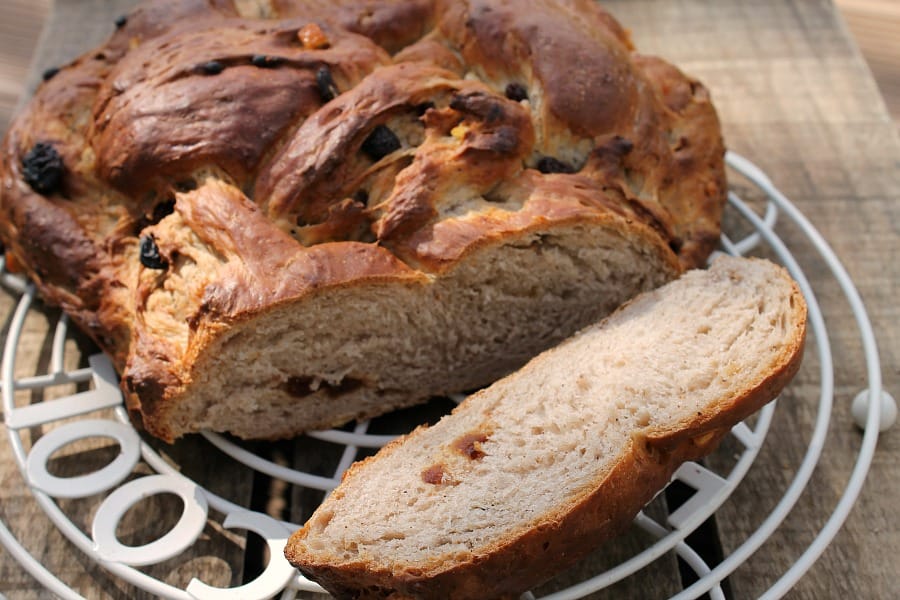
796 98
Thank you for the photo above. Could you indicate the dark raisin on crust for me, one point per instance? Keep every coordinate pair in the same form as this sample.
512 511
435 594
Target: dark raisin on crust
516 91
42 168
548 164
327 89
212 67
264 62
150 257
381 142
120 21
48 74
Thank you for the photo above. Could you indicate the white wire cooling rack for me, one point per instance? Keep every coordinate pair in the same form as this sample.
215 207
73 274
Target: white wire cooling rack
279 578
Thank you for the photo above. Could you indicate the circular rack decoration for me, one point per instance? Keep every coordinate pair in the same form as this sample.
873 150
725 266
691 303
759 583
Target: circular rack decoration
711 489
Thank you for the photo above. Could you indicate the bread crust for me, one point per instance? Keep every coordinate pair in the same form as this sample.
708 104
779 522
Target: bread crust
194 100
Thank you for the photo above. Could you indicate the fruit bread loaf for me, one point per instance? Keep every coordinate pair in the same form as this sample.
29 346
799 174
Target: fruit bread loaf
278 215
529 475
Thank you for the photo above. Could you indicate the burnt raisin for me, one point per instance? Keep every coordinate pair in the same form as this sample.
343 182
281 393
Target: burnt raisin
548 164
150 257
48 74
42 168
381 142
327 89
516 91
212 67
264 62
120 21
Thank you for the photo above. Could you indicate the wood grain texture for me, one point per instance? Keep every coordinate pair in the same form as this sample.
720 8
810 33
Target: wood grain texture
795 97
875 24
20 28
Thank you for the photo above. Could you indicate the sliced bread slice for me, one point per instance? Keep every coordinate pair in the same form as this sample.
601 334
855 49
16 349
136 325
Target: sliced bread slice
532 473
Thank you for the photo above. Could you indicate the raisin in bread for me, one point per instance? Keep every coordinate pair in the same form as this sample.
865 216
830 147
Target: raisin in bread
530 474
278 216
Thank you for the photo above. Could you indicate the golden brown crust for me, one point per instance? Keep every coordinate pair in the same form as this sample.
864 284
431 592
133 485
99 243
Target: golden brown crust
260 267
501 121
593 94
559 198
142 135
654 137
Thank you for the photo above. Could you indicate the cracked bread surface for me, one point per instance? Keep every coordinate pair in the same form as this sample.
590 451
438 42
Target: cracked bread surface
530 474
405 198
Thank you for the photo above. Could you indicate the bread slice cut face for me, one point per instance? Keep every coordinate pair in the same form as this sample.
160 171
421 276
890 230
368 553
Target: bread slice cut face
530 474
